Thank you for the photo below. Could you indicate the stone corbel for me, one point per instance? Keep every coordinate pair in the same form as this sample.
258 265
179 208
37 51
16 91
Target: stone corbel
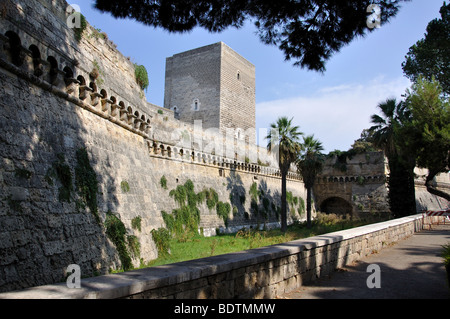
137 123
84 90
130 118
94 98
106 105
114 109
123 113
72 85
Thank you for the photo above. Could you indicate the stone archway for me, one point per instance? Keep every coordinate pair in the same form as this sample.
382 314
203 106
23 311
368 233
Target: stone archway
336 205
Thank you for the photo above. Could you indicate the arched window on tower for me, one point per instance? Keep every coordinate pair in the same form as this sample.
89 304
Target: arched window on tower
196 105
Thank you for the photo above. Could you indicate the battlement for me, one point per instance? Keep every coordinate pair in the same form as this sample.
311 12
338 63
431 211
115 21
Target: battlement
93 74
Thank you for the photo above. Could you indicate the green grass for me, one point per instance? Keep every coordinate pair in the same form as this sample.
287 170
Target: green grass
201 247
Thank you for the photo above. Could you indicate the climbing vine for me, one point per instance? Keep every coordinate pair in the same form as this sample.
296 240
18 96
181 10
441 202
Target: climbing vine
116 232
86 183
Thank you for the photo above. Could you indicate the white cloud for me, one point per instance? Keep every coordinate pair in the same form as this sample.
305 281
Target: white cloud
335 115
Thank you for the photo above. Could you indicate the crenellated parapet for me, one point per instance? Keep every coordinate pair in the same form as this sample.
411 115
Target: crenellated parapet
68 81
25 59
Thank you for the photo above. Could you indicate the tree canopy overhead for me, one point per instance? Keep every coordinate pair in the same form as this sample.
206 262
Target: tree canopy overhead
309 31
430 56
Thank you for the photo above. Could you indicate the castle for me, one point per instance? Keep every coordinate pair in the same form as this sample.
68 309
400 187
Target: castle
80 145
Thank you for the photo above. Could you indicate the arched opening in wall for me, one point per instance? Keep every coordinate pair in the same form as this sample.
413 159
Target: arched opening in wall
82 89
81 79
53 73
93 87
104 94
15 48
36 56
336 205
68 75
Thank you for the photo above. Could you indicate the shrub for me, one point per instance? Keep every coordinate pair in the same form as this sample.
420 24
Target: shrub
79 31
163 182
446 255
161 237
223 211
125 186
136 223
141 76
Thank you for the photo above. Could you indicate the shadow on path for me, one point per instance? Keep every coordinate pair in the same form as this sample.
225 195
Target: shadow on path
411 269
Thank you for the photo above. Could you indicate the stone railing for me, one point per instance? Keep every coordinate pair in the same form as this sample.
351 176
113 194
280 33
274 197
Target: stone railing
352 179
260 273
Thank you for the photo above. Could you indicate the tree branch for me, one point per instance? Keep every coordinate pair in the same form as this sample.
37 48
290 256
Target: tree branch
433 190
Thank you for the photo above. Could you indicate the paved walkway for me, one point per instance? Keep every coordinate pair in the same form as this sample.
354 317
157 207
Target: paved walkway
410 269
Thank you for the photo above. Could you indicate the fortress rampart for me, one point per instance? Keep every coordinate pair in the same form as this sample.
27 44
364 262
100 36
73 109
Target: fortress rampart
53 106
79 143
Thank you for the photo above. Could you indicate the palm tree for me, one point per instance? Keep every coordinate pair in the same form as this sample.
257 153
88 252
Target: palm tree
309 164
283 140
387 131
393 116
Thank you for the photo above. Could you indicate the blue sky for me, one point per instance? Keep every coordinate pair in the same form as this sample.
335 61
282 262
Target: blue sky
335 106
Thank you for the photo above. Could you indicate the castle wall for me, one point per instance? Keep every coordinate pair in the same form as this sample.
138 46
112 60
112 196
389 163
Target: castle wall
47 117
360 182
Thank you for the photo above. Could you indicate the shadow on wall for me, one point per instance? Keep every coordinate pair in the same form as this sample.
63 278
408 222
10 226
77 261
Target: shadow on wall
256 205
50 215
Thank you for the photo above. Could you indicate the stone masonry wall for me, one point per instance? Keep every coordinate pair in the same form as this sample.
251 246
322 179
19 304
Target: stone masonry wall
259 273
48 115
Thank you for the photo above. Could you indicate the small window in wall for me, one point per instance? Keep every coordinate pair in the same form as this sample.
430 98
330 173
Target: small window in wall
196 105
239 134
238 75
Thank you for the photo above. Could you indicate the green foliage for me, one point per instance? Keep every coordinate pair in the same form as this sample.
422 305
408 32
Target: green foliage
134 246
223 211
136 223
86 182
254 192
310 32
446 254
79 31
430 56
200 247
116 232
141 76
429 130
301 208
184 221
386 136
212 198
163 182
124 186
161 237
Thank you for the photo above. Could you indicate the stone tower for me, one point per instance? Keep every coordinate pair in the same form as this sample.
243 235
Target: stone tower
213 84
